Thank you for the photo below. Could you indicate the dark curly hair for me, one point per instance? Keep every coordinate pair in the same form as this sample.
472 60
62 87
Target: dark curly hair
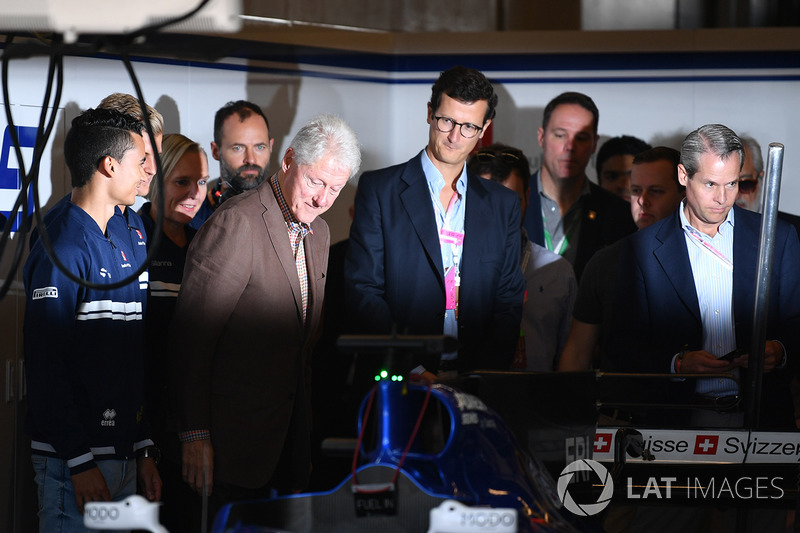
465 85
95 134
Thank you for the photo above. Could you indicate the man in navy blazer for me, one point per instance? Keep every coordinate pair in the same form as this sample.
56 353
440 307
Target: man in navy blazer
434 249
567 213
691 295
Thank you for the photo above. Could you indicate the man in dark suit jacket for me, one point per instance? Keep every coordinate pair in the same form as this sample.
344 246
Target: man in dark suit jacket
249 305
673 323
567 213
423 227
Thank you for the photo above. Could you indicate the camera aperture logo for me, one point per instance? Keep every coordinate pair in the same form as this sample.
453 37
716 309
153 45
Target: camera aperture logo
585 509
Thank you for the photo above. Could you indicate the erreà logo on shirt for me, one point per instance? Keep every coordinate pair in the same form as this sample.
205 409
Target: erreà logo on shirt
124 258
45 292
108 417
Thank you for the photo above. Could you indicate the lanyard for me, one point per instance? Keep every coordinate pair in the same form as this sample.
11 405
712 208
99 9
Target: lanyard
698 239
456 241
563 244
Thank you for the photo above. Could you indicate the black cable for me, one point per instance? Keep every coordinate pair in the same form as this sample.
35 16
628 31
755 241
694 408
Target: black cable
42 137
43 134
161 25
134 276
159 177
153 247
26 178
21 164
32 178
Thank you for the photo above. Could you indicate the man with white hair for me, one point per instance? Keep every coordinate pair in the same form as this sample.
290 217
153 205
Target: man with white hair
245 320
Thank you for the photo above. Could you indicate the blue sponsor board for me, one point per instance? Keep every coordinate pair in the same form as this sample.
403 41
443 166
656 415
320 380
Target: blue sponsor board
10 178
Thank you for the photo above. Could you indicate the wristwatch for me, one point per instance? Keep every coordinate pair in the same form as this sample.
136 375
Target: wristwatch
679 358
152 452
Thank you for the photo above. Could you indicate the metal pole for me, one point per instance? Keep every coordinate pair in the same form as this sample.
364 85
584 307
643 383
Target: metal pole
766 247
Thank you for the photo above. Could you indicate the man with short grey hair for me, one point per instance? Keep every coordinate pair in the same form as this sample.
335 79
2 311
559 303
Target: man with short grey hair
245 320
690 303
693 286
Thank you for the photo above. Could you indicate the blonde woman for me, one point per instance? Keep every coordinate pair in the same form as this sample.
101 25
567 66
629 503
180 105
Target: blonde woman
185 169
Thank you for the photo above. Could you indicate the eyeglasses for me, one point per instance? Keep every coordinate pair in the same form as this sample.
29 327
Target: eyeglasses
446 125
488 157
748 186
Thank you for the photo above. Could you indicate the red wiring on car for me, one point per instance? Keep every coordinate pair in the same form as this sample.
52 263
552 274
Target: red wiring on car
414 432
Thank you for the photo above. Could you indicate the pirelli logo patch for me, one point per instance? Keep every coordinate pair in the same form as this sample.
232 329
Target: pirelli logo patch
45 292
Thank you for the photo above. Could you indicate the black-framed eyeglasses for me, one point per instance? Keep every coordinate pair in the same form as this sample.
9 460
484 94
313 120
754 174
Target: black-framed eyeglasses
446 125
747 186
488 156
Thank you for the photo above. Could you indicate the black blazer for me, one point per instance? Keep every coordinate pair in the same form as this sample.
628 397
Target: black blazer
606 219
662 313
394 273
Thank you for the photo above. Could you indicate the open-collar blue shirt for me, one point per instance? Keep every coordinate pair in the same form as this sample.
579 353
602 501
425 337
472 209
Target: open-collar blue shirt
452 220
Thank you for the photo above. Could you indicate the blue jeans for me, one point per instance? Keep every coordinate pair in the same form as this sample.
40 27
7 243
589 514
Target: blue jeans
58 512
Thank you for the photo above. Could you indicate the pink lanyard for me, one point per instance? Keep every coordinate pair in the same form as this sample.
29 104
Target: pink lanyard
705 245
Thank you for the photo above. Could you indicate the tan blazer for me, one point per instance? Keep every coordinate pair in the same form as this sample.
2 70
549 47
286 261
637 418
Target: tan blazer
240 352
